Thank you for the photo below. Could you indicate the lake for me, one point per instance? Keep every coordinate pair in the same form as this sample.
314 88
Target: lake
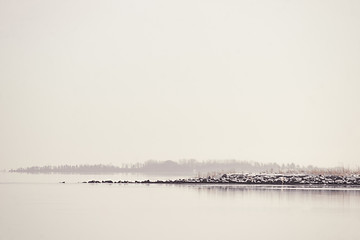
39 207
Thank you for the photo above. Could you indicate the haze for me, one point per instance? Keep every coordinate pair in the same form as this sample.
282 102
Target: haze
126 81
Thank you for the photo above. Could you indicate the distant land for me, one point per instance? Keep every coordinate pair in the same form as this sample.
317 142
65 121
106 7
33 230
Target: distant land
190 166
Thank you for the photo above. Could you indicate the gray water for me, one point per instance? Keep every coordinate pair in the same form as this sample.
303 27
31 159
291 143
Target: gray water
38 207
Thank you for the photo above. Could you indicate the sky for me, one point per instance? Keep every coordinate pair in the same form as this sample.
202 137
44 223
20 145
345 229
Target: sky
113 82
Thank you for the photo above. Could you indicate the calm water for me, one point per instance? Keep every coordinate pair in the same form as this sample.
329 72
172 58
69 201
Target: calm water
38 207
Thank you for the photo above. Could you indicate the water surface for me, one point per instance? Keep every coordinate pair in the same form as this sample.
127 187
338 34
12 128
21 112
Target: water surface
38 207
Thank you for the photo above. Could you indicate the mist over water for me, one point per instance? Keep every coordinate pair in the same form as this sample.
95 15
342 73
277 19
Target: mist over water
49 210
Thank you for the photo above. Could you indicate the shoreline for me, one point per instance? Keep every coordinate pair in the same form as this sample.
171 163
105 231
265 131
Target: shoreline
254 179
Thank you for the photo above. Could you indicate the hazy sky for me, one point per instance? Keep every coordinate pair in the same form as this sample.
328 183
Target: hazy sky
86 81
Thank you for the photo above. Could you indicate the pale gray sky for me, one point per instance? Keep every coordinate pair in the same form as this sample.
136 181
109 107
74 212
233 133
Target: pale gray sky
85 81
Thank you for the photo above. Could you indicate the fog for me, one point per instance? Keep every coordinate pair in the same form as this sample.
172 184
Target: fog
114 82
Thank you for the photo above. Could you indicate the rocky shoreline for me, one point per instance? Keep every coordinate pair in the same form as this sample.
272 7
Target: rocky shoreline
255 179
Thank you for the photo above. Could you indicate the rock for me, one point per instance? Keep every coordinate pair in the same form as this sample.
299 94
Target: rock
107 181
339 181
276 179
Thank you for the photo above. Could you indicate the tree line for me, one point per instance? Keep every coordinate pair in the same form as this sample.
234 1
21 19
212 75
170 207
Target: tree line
187 166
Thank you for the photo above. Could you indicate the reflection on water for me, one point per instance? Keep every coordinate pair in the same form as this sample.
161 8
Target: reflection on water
277 199
315 193
241 189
